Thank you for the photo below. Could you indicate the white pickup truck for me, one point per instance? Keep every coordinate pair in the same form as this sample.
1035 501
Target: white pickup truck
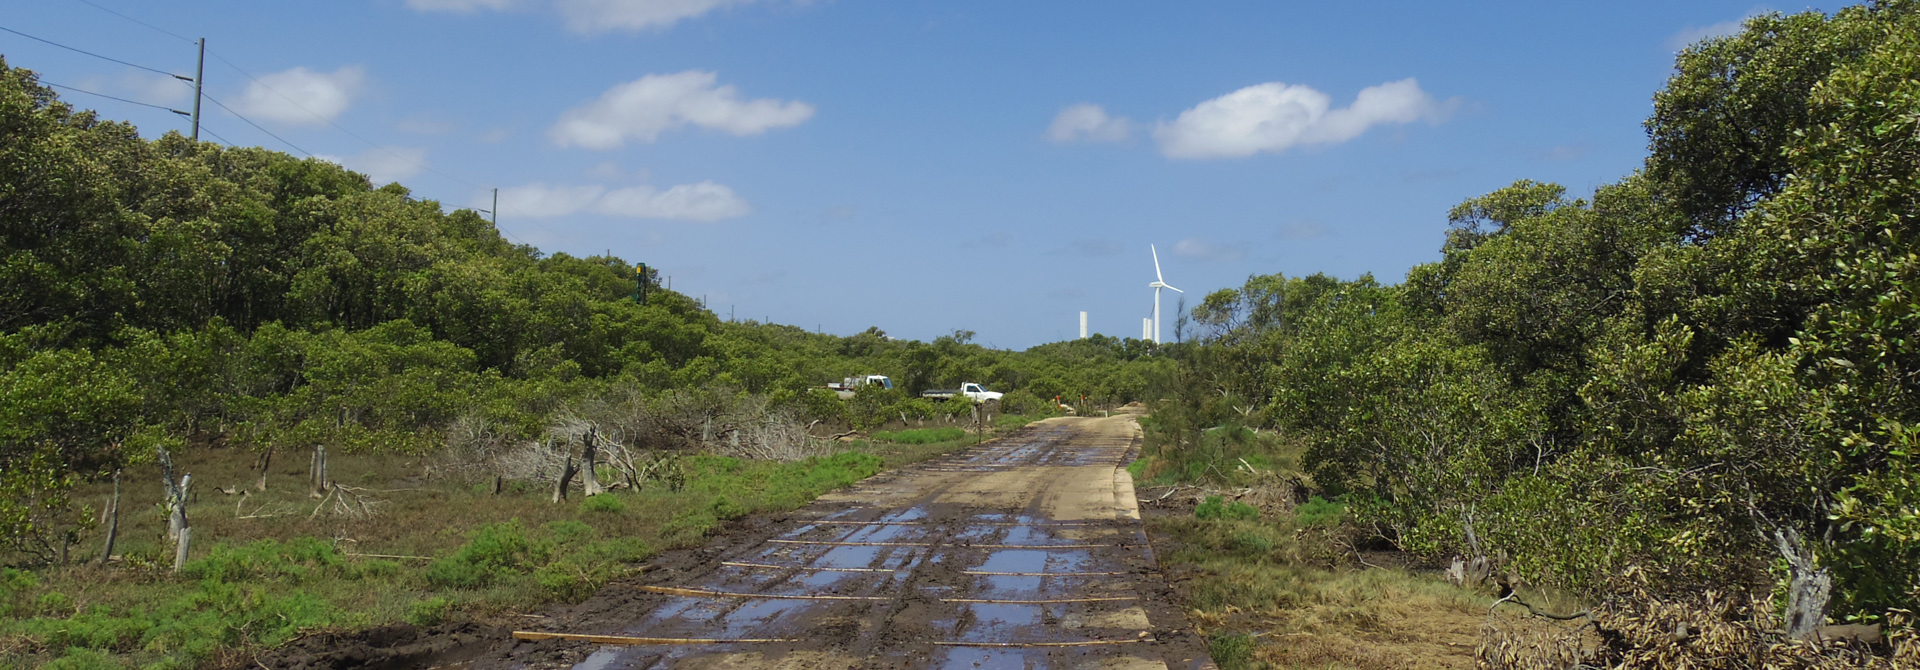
845 388
971 390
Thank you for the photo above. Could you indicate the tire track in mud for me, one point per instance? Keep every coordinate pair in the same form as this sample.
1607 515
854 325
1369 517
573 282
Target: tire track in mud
1016 553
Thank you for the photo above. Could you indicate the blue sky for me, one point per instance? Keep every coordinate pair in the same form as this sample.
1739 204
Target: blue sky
919 166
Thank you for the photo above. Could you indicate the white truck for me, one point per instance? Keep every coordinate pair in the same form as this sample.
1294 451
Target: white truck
971 390
845 388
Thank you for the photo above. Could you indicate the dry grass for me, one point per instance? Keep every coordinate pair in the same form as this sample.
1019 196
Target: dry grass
1263 600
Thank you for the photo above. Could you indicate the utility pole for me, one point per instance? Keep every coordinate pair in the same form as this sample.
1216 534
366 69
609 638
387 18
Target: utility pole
496 208
199 80
640 283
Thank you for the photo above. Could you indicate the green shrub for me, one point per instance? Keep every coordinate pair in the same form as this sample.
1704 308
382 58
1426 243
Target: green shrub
56 604
724 508
604 503
1215 507
81 658
1320 512
429 612
495 551
14 585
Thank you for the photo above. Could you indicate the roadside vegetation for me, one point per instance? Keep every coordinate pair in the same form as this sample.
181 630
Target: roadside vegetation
365 402
1687 400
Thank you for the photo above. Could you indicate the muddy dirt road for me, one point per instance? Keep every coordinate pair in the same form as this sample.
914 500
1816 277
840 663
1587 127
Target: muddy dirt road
1024 552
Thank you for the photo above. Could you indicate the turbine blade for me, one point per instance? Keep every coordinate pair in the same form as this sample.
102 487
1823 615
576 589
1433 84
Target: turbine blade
1156 264
1175 289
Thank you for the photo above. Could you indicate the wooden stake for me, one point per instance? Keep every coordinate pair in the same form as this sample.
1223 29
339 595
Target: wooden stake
266 461
113 520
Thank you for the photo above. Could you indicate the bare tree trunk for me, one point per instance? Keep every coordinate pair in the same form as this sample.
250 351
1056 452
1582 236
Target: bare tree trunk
1808 585
266 461
318 473
566 477
591 453
180 549
113 520
180 500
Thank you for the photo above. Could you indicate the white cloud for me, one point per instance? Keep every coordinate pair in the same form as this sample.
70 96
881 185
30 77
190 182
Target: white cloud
1087 122
541 201
384 164
1274 117
302 96
703 201
459 6
641 109
599 16
1196 248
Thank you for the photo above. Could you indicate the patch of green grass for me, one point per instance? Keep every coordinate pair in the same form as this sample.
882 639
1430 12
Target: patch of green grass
604 504
1320 512
1215 507
1231 651
1222 455
1013 421
921 435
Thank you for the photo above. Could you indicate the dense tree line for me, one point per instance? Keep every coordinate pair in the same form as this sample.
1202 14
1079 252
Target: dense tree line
176 293
1708 364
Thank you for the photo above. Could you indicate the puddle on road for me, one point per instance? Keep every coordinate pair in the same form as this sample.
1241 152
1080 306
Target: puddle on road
1056 573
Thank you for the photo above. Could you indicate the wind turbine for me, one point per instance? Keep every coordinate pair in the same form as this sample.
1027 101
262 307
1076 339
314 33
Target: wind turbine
1159 282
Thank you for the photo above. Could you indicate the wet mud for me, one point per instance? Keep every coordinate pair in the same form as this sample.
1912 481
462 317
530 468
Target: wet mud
1023 552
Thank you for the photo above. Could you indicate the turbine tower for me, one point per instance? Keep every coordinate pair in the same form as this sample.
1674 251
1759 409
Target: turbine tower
1159 282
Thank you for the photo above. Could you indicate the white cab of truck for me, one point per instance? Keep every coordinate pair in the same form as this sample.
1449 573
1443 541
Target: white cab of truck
971 390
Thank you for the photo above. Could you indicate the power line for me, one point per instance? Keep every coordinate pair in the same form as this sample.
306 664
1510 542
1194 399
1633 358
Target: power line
129 18
256 126
215 135
95 55
109 97
377 146
295 103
